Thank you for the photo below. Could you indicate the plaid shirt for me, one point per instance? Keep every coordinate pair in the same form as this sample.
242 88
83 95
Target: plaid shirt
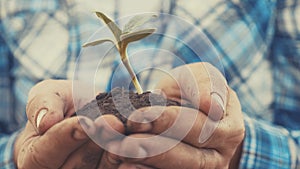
256 46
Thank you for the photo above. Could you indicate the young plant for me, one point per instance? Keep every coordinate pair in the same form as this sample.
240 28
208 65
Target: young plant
124 37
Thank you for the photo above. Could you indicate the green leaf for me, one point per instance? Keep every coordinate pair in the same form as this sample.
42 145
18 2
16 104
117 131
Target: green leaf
97 42
135 36
111 24
136 22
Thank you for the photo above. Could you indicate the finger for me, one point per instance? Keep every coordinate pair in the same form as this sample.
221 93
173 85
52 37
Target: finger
184 155
109 127
86 157
110 160
180 156
200 83
53 148
48 103
232 124
189 125
180 123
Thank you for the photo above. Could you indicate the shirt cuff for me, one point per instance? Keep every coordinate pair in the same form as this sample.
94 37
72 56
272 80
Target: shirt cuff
7 151
265 146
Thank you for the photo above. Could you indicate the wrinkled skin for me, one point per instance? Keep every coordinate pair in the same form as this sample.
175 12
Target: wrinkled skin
220 148
59 140
213 129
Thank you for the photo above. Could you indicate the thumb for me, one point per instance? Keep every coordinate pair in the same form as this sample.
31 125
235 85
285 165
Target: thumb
199 83
49 102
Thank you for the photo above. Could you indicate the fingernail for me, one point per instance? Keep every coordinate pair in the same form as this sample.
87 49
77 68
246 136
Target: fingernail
217 98
217 109
40 116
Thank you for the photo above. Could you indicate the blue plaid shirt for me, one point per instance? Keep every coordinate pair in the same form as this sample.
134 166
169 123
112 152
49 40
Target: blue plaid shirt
256 46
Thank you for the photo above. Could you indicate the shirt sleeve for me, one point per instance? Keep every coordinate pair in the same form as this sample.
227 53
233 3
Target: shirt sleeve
7 150
269 146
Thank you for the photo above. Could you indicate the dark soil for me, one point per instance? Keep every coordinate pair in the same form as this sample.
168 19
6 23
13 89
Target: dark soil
122 103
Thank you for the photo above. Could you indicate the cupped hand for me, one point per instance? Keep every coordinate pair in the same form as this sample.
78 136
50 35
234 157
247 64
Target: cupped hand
209 135
52 138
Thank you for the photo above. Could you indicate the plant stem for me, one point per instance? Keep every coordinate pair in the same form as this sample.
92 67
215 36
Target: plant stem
124 58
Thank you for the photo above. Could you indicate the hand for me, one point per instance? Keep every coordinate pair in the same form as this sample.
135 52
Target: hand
54 139
206 136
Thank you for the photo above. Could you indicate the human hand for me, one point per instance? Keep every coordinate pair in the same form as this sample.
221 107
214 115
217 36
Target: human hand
208 136
54 139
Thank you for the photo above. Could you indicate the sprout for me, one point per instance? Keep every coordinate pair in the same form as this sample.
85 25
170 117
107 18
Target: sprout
124 37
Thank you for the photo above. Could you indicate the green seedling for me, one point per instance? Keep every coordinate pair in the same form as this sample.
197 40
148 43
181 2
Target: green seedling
130 33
